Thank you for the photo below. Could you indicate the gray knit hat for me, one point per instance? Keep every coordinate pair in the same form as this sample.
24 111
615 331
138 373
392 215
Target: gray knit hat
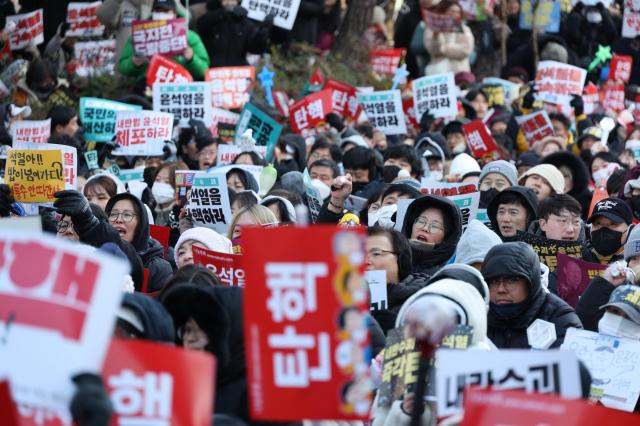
631 248
503 167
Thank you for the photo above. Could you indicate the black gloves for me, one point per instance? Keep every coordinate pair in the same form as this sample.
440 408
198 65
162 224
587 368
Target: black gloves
529 98
90 405
578 105
6 199
335 121
268 20
73 204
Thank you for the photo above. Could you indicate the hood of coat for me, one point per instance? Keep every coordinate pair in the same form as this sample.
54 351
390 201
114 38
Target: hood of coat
297 143
466 273
142 234
578 169
526 195
157 323
514 258
476 241
252 183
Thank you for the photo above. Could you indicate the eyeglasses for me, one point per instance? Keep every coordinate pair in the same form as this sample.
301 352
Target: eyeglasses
183 330
509 282
126 216
376 253
63 225
432 227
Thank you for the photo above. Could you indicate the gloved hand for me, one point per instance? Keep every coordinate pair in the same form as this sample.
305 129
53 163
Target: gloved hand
90 405
6 199
268 20
73 204
529 98
335 121
578 104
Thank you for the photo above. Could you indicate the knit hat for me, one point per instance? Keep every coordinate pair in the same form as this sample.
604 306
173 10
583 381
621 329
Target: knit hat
550 173
613 209
631 249
540 145
207 237
529 158
631 185
503 167
627 299
463 165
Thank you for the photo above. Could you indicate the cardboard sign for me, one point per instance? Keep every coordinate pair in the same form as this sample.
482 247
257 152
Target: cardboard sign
305 314
131 175
612 362
547 15
209 203
284 12
543 372
574 276
384 111
163 70
631 19
310 111
157 384
165 37
186 101
94 57
441 23
98 117
548 250
69 159
468 205
557 81
620 68
377 282
34 176
613 97
446 189
344 99
31 131
223 124
142 132
230 86
83 21
266 130
437 94
226 266
313 201
535 126
29 30
479 141
385 61
62 301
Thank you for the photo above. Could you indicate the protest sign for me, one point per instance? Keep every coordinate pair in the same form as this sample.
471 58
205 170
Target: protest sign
157 384
591 98
94 57
495 94
62 301
186 101
83 21
34 176
142 132
410 112
441 23
98 117
305 314
620 68
547 15
613 363
344 99
266 130
164 70
631 19
313 201
223 124
310 111
161 234
534 371
230 86
29 29
284 12
377 282
613 97
480 142
384 111
510 90
535 126
468 205
556 81
209 202
281 101
385 61
226 266
131 175
31 130
69 159
228 153
165 37
574 276
435 93
446 189
548 250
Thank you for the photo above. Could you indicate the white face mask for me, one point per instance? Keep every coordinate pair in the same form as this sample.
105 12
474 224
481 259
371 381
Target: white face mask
615 325
383 216
161 16
162 192
436 175
460 148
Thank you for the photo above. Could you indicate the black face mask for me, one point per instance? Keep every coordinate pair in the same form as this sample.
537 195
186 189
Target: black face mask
358 186
508 311
635 204
389 173
487 196
605 241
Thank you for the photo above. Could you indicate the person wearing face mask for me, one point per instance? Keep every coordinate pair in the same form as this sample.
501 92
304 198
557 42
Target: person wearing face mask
384 216
454 134
587 27
586 141
610 222
622 313
602 166
404 157
495 177
632 193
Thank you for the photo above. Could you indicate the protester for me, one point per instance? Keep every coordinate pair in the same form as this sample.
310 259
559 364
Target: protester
512 211
559 218
495 177
544 179
610 222
199 237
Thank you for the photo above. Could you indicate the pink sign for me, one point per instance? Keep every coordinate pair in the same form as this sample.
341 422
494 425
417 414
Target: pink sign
166 37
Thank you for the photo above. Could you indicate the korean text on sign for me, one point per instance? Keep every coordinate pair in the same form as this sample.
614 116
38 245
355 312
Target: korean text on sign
31 131
385 61
209 203
310 111
344 99
536 126
547 15
164 70
557 81
83 21
98 117
34 176
94 57
283 11
29 29
186 101
631 19
479 141
226 266
436 94
142 132
166 37
266 130
69 159
384 111
230 86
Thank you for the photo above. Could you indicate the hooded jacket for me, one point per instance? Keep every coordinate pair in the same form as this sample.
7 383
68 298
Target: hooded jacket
466 273
528 198
519 259
580 173
476 241
252 183
150 251
157 323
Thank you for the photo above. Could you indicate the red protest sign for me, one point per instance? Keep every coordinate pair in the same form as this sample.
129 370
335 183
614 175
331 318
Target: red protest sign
410 112
8 407
620 68
574 276
282 101
166 37
154 384
29 29
230 86
164 70
160 234
613 97
83 21
556 81
225 266
536 126
317 77
344 100
310 111
591 98
385 61
304 316
479 141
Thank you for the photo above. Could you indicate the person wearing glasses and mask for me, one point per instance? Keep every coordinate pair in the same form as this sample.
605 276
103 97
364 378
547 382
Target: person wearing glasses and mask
495 177
517 299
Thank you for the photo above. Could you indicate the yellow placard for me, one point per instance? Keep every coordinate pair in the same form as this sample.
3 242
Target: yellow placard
34 175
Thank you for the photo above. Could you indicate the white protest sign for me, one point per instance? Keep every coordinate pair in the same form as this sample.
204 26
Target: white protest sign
31 131
69 159
631 19
436 94
61 300
29 29
227 153
377 282
533 371
209 203
614 364
384 111
535 126
83 21
284 11
403 205
218 116
185 101
94 57
142 132
556 81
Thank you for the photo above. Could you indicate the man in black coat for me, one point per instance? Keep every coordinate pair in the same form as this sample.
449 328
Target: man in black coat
512 271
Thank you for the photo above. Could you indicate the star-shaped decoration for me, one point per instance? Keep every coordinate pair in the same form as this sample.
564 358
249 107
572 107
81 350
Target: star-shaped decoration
400 77
266 80
602 55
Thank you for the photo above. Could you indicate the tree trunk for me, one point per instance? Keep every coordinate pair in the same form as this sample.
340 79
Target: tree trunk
350 41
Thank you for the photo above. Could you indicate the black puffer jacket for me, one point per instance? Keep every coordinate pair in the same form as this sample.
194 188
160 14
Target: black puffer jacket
517 258
397 294
158 324
525 195
588 307
580 173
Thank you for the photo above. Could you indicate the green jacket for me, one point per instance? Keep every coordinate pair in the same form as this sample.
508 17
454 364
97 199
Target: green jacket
197 66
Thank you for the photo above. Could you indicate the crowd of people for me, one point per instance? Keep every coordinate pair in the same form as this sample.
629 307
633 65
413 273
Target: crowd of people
579 186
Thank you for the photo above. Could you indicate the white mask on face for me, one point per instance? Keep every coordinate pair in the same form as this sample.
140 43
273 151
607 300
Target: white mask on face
162 192
384 216
615 325
161 16
436 175
460 148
